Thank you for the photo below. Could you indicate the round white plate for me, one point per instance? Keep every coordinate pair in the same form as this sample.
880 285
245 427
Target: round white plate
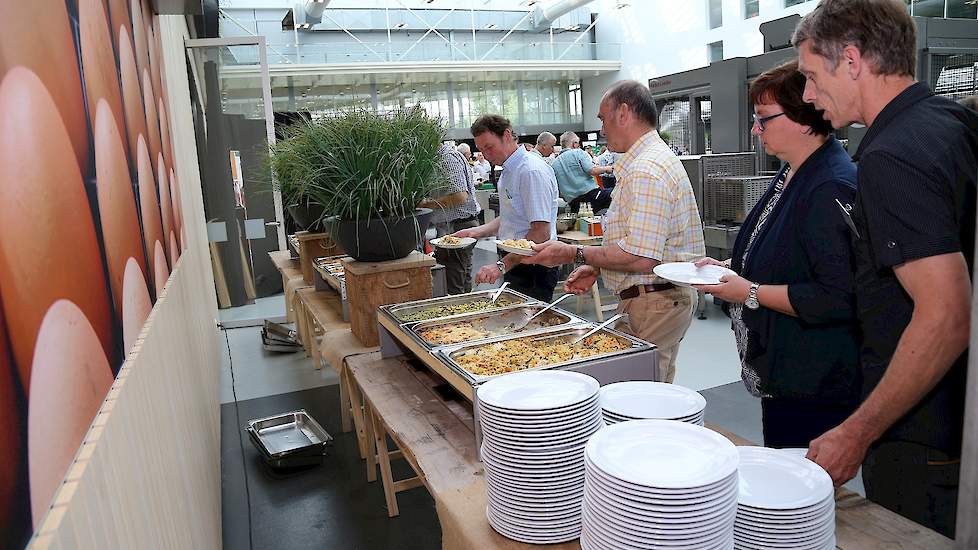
513 249
617 537
623 418
669 508
775 480
687 274
538 390
803 537
463 243
777 517
516 521
533 536
680 520
640 399
607 480
536 510
786 527
577 415
663 454
557 485
650 523
531 439
597 541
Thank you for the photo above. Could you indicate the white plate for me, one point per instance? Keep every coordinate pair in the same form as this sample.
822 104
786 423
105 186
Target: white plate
607 480
511 435
463 243
555 523
802 524
663 454
532 536
641 399
616 537
513 249
775 480
538 390
630 520
669 508
557 485
687 274
585 418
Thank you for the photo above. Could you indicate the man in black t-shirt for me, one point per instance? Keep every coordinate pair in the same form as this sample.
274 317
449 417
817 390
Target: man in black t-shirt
913 226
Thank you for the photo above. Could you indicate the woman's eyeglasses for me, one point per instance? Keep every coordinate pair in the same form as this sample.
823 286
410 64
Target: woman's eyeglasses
761 121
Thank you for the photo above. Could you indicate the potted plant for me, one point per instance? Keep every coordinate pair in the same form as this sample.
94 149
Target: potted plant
368 172
291 177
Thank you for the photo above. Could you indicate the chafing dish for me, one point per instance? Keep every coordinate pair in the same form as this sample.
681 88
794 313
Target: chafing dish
331 273
450 355
489 324
413 312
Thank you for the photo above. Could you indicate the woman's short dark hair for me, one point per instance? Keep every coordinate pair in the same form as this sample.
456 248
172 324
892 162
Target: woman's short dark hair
785 86
491 123
638 98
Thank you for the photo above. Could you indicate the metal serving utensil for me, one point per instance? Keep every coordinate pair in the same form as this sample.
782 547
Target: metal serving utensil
601 326
520 326
498 293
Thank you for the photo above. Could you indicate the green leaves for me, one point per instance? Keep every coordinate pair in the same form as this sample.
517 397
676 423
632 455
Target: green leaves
360 164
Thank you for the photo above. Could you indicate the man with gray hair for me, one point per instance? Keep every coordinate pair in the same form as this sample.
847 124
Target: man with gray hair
575 173
913 229
653 219
545 146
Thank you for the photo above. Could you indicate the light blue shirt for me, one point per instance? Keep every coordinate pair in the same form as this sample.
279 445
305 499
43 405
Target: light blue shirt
527 193
573 170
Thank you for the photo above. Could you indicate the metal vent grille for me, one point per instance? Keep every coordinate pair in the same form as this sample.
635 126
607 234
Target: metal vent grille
715 167
954 76
732 198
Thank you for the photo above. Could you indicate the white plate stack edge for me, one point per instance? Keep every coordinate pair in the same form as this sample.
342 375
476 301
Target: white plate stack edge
640 400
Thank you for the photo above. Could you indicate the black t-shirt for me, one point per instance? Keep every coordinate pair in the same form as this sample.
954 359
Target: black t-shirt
916 198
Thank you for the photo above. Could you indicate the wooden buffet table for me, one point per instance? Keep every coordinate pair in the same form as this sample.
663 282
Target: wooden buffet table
434 435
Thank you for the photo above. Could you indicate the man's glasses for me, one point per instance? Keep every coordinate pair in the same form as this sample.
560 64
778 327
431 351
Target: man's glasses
761 121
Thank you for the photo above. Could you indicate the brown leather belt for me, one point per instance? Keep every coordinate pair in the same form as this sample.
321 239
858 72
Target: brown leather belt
634 291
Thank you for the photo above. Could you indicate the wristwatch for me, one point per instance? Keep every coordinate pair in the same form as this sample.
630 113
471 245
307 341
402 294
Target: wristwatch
501 266
579 257
751 301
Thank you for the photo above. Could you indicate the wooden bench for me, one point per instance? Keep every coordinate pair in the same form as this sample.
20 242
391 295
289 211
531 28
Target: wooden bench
434 435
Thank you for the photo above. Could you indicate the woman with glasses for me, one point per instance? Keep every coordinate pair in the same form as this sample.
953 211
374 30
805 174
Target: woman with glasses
791 304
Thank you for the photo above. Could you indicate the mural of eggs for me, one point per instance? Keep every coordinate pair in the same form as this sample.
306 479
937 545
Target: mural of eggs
131 93
149 204
69 379
42 195
160 272
10 438
139 35
117 205
101 77
119 13
166 206
135 304
152 119
51 56
175 201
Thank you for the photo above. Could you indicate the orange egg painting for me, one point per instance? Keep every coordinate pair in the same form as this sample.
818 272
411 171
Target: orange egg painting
135 304
42 194
139 35
117 205
119 14
70 376
132 96
51 56
175 200
155 68
152 120
166 206
149 204
161 272
101 77
164 131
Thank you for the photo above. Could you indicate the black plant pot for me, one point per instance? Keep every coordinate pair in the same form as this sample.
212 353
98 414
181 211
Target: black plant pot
381 239
307 217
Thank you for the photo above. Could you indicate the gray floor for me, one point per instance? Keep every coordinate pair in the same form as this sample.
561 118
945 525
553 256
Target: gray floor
332 506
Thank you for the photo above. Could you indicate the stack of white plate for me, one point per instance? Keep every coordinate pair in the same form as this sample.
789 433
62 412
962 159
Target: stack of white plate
659 484
786 501
534 429
651 400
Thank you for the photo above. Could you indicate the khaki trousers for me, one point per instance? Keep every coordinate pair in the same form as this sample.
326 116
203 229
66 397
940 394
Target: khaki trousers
661 318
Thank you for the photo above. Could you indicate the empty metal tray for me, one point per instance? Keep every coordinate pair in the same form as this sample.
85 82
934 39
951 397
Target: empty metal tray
289 439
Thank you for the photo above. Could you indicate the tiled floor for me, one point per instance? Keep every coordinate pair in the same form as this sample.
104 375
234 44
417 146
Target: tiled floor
332 506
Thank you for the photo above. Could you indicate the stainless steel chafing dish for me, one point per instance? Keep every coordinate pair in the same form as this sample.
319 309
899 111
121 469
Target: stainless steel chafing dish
403 314
328 276
641 351
494 323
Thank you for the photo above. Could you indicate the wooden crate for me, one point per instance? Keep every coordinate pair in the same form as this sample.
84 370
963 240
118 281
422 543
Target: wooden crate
312 246
371 285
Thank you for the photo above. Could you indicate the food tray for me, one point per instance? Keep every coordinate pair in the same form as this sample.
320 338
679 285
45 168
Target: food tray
401 313
331 277
290 439
448 354
494 323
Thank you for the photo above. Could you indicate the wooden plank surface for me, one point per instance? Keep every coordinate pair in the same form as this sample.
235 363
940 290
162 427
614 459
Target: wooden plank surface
438 438
579 237
369 286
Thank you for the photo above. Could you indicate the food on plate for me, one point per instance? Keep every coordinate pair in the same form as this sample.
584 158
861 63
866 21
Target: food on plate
448 239
445 310
519 243
525 353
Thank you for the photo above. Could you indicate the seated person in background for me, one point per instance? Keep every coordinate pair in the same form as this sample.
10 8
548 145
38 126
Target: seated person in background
545 146
575 173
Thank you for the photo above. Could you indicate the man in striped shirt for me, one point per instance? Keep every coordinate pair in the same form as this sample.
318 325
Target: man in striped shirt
653 219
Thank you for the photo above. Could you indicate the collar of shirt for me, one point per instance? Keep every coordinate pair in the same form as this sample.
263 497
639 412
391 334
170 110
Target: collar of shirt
636 149
914 93
515 159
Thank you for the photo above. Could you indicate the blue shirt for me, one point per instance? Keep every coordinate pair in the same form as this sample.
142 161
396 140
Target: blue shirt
573 170
527 193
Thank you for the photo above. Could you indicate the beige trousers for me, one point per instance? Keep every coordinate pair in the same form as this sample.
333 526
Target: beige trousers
661 318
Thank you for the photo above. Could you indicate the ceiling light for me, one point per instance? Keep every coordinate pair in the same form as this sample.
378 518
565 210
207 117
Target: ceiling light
400 25
491 26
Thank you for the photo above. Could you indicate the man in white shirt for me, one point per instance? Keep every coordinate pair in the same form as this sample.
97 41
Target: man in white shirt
527 207
482 168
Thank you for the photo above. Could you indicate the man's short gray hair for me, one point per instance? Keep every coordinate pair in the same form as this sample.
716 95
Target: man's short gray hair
464 149
546 139
567 138
637 96
882 30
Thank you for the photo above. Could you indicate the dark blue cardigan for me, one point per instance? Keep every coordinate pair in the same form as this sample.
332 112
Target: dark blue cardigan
805 244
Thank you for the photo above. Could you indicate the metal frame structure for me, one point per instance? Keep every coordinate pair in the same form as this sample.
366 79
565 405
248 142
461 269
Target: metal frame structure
266 90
